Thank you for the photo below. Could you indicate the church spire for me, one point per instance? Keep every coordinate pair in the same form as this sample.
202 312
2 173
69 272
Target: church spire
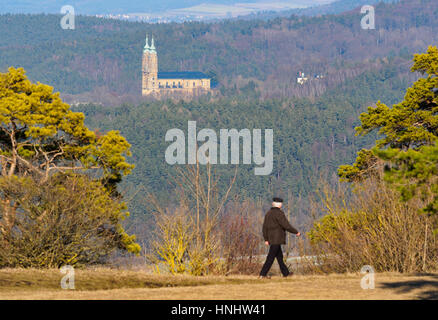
152 48
146 46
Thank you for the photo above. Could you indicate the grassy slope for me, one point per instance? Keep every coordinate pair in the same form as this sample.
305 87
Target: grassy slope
129 284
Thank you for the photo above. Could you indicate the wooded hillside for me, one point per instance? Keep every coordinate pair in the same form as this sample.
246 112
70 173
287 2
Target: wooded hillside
102 57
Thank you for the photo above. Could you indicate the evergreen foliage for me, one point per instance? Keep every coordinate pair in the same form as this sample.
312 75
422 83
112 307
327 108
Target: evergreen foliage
41 138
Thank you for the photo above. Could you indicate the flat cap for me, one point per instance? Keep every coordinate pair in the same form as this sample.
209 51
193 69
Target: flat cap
277 199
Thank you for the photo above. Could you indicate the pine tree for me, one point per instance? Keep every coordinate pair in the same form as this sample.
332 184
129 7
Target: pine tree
410 133
41 137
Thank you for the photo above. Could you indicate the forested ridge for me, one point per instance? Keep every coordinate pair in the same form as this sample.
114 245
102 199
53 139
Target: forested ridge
311 137
102 57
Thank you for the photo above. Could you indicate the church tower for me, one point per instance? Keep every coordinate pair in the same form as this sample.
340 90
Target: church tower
149 69
186 83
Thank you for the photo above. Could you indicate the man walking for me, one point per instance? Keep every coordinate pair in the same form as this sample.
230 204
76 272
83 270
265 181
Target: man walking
275 226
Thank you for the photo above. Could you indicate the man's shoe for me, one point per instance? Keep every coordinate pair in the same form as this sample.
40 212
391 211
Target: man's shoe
288 275
264 277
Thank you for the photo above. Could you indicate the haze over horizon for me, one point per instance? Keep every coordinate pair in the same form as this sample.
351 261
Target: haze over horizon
93 7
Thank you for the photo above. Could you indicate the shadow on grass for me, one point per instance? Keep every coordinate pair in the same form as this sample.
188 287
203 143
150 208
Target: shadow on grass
428 287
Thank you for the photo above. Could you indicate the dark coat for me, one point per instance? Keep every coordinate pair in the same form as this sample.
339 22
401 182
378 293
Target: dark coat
275 226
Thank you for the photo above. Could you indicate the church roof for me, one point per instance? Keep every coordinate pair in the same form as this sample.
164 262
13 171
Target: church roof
182 75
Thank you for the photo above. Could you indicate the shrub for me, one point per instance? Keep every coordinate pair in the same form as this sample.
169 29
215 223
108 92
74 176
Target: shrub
240 235
69 219
375 228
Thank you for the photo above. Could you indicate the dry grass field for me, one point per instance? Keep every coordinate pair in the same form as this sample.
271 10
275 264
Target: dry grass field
104 283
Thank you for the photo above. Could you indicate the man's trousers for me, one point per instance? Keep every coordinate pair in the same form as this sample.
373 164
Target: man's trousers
274 252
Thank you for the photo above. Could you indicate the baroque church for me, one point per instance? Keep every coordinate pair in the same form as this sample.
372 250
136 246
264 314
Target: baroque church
156 83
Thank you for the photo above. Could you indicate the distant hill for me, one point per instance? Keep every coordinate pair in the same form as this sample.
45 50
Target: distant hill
338 6
91 7
334 7
101 58
186 10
